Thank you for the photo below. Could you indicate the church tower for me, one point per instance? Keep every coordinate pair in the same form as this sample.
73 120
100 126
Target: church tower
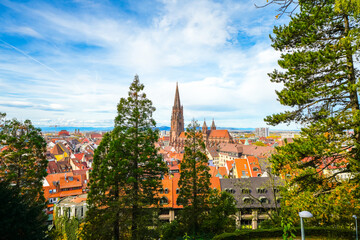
204 128
213 127
177 118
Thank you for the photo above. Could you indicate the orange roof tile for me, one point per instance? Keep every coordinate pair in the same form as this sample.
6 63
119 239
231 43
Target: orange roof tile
229 164
71 192
223 172
242 165
215 183
68 183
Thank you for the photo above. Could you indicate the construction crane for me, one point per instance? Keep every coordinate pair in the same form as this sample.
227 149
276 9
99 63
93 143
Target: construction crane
55 126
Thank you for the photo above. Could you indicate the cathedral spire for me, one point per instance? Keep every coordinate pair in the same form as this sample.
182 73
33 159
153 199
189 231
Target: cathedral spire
177 119
177 97
204 127
213 127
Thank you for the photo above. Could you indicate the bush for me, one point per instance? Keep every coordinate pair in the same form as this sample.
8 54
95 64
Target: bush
328 233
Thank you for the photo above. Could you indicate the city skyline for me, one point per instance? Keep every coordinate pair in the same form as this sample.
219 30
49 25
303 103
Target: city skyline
69 63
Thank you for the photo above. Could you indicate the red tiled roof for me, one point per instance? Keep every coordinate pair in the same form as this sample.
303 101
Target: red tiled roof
229 164
79 156
96 135
68 183
219 134
53 167
64 133
223 172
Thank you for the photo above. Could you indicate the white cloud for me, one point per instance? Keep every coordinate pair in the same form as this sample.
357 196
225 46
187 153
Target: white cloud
97 49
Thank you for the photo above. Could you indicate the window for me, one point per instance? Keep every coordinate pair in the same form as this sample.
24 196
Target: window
248 200
246 223
255 169
164 200
263 200
261 190
245 191
161 191
177 190
244 173
166 191
245 166
50 191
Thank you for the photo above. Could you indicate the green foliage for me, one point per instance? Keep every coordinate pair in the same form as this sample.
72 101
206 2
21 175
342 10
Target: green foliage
221 216
194 181
259 143
126 174
288 230
319 56
23 161
20 218
267 224
66 228
321 233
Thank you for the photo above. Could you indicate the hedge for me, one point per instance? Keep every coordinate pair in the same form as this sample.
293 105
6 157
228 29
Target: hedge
328 233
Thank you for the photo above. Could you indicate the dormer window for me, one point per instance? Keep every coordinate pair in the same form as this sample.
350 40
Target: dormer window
261 190
247 200
245 191
263 200
164 200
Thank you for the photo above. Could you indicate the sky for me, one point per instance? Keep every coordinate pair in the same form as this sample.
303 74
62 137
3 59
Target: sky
69 62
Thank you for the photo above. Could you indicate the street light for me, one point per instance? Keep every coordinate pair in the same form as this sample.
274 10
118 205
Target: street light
354 216
304 214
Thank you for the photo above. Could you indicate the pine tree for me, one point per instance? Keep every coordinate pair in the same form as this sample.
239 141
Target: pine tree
320 49
20 218
126 173
22 170
22 159
194 180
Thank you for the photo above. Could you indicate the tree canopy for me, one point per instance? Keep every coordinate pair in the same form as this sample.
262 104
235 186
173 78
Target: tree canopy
22 170
194 180
127 172
319 55
22 155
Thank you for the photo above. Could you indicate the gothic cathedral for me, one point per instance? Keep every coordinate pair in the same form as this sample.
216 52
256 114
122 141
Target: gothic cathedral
212 137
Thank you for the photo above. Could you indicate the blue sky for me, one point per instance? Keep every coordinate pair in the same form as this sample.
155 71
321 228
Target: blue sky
69 62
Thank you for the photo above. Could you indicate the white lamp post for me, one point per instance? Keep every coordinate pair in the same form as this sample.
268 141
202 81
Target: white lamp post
304 214
354 216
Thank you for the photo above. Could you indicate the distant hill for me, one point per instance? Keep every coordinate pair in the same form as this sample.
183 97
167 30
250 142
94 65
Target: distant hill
104 129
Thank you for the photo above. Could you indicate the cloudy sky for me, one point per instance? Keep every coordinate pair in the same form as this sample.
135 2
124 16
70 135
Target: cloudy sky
69 62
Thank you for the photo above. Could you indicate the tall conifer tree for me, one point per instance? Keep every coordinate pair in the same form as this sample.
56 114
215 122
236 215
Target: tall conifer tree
22 159
320 49
194 180
22 170
126 173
